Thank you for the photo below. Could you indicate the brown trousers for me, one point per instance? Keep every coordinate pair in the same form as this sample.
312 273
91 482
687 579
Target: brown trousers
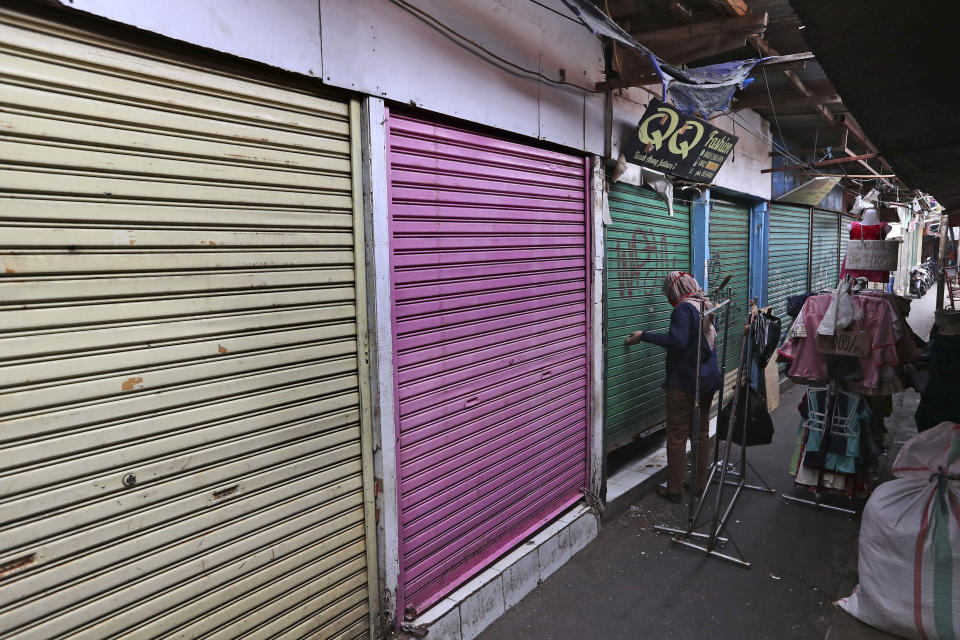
679 419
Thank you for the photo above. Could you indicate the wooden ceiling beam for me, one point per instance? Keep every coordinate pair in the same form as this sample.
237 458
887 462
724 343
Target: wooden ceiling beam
787 59
848 124
824 163
800 152
853 128
626 83
863 162
731 7
743 26
680 11
795 81
625 7
763 101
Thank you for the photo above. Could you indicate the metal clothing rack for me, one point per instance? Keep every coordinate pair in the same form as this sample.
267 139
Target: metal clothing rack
832 395
713 537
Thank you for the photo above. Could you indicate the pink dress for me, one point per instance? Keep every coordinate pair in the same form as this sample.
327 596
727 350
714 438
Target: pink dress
866 232
807 364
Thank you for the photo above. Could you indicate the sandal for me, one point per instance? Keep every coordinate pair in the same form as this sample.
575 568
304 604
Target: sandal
672 497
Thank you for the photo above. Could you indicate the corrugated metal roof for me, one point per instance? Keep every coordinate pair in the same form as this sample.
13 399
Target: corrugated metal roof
894 68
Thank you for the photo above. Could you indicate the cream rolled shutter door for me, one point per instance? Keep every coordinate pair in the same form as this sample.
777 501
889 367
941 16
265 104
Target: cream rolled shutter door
181 450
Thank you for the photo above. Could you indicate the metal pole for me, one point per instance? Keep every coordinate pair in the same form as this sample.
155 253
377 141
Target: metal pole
726 445
723 364
941 260
716 449
754 311
695 429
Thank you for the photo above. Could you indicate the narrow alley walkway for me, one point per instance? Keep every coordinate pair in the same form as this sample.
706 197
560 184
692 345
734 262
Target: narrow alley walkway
632 583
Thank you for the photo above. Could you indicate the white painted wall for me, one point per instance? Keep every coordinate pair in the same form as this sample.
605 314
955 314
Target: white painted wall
741 171
280 33
381 48
381 346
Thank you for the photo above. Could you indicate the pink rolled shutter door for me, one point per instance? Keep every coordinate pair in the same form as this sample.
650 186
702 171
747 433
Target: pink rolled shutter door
489 251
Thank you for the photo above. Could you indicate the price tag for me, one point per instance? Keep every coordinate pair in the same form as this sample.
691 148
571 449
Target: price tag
845 343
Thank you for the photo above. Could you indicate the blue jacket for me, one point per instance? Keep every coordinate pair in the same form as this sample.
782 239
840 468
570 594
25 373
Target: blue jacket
682 354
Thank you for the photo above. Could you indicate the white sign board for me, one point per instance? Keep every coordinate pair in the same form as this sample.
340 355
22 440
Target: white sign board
877 255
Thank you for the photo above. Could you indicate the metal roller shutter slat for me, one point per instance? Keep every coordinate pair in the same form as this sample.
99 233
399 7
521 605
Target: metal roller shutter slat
179 302
643 245
488 248
730 255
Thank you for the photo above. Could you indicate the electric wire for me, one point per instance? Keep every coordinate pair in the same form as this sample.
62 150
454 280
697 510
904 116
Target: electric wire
440 26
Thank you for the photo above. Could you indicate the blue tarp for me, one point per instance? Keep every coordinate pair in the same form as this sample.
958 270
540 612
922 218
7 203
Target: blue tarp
703 89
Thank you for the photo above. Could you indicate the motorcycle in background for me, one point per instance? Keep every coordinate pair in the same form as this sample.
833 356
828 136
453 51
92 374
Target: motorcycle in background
918 281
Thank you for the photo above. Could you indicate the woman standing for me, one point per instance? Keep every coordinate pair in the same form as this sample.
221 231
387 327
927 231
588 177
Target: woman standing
681 343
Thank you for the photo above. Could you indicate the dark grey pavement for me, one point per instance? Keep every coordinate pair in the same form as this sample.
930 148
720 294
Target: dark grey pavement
633 583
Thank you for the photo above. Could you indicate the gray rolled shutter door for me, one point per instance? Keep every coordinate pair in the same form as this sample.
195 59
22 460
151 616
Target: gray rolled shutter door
825 265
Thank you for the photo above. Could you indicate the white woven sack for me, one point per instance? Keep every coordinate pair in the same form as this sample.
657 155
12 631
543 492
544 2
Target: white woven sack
910 543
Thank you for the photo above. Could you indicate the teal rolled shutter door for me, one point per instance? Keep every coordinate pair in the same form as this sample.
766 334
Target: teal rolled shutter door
789 259
730 256
643 244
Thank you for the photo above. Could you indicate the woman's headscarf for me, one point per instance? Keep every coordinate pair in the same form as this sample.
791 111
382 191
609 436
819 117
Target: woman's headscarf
680 287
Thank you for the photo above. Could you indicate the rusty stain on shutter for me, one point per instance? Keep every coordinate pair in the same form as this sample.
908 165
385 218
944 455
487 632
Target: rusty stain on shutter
489 266
181 443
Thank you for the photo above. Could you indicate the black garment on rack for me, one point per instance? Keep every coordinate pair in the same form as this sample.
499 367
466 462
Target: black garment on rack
764 337
940 400
795 303
759 428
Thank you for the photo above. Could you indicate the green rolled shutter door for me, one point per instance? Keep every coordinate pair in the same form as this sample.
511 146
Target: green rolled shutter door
643 244
825 267
789 259
730 256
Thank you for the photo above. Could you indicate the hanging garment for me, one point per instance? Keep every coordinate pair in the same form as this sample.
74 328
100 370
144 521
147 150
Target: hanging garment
795 303
866 232
764 337
835 457
940 400
834 446
808 364
840 314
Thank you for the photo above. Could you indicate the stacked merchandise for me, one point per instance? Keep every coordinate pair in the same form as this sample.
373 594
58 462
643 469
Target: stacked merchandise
849 348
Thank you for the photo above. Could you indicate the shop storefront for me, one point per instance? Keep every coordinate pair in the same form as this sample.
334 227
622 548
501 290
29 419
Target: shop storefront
644 243
789 255
730 256
183 384
825 254
489 246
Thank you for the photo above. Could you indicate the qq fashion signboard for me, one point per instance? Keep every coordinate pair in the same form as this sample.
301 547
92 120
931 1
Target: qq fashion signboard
668 141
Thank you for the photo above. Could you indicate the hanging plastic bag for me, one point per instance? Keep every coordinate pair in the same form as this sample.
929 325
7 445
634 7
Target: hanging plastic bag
764 337
759 429
910 543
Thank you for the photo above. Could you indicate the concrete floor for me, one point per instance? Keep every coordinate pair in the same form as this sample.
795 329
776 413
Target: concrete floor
633 583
